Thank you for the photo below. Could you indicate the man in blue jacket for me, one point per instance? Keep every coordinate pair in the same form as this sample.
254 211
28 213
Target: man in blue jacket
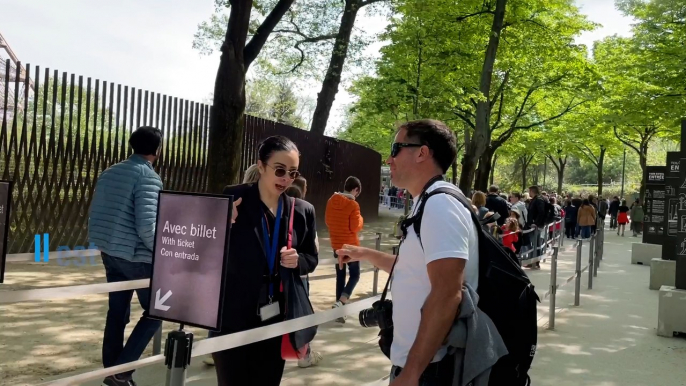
122 225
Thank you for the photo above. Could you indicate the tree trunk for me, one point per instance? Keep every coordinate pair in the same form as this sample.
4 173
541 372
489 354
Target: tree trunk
226 115
560 177
495 159
228 108
483 172
536 171
482 130
643 160
601 161
525 165
454 167
332 80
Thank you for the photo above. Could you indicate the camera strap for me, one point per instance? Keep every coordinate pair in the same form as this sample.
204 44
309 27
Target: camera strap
406 223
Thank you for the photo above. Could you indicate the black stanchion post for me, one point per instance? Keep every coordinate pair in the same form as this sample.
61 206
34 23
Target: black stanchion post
553 289
591 244
177 356
577 282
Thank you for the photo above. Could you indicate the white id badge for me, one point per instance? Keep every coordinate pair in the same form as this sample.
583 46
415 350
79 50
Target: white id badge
269 311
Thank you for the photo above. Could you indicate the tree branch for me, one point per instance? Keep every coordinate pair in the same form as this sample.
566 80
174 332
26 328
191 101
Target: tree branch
500 89
565 111
469 122
465 17
253 48
367 2
626 142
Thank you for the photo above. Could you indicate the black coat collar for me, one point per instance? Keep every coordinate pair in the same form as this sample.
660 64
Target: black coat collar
255 213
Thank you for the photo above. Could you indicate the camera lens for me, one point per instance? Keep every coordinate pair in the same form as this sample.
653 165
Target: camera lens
368 318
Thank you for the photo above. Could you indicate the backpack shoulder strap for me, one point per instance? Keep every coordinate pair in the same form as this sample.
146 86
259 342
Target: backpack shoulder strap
416 220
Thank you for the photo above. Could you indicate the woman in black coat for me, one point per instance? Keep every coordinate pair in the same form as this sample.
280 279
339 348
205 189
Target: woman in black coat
256 290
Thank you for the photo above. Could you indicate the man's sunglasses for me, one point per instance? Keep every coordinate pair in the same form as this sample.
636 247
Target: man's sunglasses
397 146
281 172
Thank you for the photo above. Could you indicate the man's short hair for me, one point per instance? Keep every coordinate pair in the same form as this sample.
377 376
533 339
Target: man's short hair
493 189
534 188
145 140
352 183
437 137
517 194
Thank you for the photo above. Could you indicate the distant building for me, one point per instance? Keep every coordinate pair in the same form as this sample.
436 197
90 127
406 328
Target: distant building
385 176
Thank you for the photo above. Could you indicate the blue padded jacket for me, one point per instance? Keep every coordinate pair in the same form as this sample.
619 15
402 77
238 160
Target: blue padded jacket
123 211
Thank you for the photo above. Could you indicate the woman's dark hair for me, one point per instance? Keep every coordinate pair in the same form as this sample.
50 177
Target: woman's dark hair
586 202
437 137
145 140
273 144
623 202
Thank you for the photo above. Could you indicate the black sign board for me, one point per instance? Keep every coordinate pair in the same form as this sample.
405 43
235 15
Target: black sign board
655 208
680 243
190 258
5 202
672 201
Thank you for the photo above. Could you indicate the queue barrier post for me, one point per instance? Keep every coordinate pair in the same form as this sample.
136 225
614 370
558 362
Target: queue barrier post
177 356
553 289
591 262
375 289
577 283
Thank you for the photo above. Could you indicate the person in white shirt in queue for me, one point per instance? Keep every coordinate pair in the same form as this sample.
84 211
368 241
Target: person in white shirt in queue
428 278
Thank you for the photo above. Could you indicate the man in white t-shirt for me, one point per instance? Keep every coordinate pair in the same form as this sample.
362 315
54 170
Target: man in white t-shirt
428 277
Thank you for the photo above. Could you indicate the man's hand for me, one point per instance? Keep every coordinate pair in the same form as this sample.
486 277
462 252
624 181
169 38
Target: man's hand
234 212
289 257
352 253
405 379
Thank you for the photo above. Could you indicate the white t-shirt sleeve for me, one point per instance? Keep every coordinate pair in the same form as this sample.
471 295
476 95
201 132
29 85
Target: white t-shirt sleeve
446 225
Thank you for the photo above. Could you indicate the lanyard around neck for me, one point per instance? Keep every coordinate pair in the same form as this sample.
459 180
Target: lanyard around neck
271 244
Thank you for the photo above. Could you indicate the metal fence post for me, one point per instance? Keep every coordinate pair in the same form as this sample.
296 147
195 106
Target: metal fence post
375 289
577 282
563 231
553 289
157 342
591 262
596 254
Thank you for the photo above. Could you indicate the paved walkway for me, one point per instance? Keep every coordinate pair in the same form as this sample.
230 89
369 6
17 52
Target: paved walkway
609 340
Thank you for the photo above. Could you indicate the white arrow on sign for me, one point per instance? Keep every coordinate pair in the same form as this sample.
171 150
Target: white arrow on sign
159 303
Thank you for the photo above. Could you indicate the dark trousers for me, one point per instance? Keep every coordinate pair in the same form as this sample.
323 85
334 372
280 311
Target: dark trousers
114 351
257 363
570 229
436 374
343 288
613 221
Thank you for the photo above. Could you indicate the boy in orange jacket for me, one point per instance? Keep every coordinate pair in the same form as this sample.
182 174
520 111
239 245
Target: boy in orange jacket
344 220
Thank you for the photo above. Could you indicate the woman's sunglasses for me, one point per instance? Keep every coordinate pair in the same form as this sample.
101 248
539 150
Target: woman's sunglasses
281 172
397 146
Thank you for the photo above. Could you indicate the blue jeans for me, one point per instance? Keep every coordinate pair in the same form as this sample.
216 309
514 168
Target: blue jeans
586 232
114 351
343 289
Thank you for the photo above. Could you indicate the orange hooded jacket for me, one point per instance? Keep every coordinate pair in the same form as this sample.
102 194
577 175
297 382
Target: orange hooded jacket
344 220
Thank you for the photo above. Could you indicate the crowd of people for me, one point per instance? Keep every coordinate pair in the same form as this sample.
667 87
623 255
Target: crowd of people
268 270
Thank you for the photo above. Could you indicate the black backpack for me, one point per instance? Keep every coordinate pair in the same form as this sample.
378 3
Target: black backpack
551 213
506 295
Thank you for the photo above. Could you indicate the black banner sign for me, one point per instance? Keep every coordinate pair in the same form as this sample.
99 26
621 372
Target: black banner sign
655 205
672 201
190 258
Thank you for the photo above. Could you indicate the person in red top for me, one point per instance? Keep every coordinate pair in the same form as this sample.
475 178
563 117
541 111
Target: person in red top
344 220
510 231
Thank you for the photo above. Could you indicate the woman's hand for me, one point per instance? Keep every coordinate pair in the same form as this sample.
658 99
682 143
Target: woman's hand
289 258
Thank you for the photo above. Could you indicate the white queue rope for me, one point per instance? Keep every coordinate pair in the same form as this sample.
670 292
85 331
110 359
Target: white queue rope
226 342
66 292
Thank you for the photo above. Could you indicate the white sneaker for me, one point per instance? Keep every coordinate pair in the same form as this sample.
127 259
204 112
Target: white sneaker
209 361
336 305
311 360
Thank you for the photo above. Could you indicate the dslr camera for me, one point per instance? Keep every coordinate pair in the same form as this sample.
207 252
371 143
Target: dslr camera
379 315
